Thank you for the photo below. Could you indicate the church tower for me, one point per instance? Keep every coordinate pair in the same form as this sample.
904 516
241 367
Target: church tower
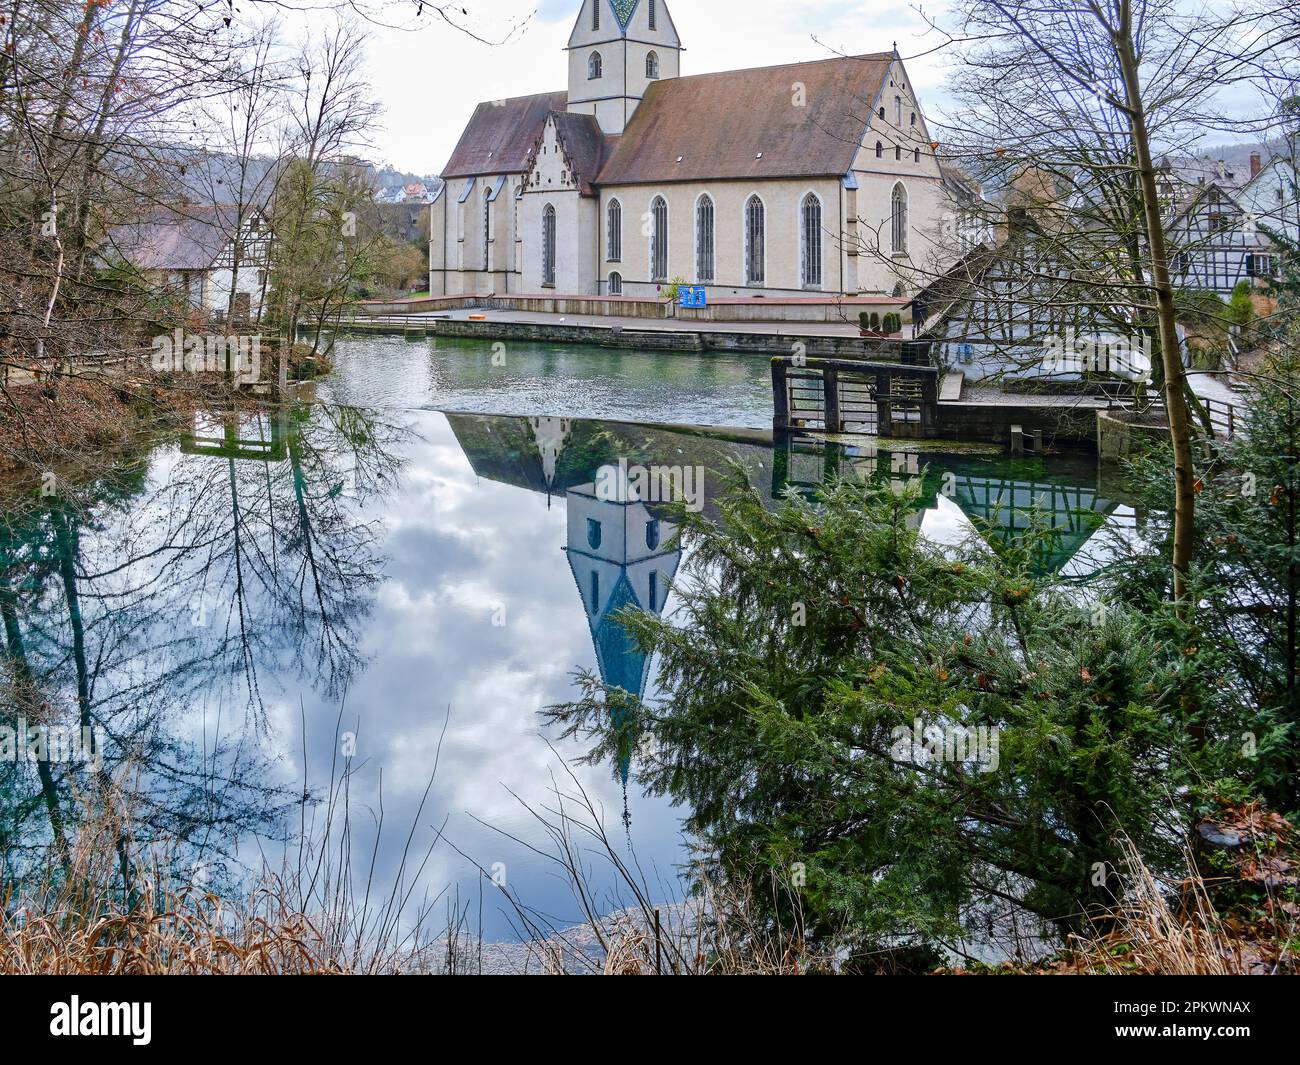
617 48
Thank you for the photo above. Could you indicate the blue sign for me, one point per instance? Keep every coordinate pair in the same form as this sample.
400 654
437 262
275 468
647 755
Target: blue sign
692 296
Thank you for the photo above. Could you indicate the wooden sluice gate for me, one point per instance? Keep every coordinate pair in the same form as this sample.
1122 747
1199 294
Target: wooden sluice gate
832 396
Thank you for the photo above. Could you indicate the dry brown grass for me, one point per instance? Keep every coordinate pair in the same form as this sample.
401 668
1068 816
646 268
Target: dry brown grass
1148 936
74 924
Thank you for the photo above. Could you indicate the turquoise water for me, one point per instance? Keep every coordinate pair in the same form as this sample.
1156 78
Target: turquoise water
569 381
236 602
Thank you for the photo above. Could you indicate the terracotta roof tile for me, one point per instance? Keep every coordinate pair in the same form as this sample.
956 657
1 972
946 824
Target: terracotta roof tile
173 238
744 123
500 133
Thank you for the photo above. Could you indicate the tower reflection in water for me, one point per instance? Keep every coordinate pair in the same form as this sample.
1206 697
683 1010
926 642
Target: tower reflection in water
622 556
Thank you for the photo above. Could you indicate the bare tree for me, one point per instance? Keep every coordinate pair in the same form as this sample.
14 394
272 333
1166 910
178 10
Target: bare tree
1068 105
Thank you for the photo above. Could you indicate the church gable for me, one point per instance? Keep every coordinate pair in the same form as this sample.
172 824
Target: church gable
568 154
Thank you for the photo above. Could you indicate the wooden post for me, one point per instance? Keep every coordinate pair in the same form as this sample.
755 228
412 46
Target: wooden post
831 399
929 403
780 396
781 448
884 410
1017 440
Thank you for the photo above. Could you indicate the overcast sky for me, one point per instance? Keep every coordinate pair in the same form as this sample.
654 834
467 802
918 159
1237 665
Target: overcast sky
430 79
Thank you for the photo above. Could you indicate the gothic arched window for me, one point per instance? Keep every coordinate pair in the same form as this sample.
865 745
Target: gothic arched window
898 219
810 224
704 239
659 239
548 246
614 232
652 65
595 66
616 284
755 241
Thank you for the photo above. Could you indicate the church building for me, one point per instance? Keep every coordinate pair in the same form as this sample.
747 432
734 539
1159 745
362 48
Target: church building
815 178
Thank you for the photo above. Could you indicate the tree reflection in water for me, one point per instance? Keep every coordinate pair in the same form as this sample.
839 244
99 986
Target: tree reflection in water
147 602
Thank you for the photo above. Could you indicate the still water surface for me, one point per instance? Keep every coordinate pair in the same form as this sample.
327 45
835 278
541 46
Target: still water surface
235 601
534 379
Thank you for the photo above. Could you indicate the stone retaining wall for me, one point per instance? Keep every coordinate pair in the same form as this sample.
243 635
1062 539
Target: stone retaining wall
768 310
648 339
1118 436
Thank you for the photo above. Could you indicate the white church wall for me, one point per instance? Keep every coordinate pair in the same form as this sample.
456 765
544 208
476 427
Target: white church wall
782 201
880 267
575 242
438 245
456 239
896 148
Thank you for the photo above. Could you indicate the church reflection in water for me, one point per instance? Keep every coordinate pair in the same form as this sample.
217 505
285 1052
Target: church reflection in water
622 556
623 553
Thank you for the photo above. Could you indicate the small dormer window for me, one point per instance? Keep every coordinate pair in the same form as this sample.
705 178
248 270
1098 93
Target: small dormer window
595 66
652 65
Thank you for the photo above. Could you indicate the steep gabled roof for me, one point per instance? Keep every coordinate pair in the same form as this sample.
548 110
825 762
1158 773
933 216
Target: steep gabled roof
585 146
173 238
744 124
1203 194
956 283
500 134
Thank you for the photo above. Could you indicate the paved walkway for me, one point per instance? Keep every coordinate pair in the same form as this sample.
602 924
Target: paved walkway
1213 386
786 328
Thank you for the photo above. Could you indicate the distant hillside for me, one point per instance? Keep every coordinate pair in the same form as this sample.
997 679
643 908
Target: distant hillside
196 175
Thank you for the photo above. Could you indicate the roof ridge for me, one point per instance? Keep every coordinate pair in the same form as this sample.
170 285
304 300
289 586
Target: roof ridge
531 96
780 66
